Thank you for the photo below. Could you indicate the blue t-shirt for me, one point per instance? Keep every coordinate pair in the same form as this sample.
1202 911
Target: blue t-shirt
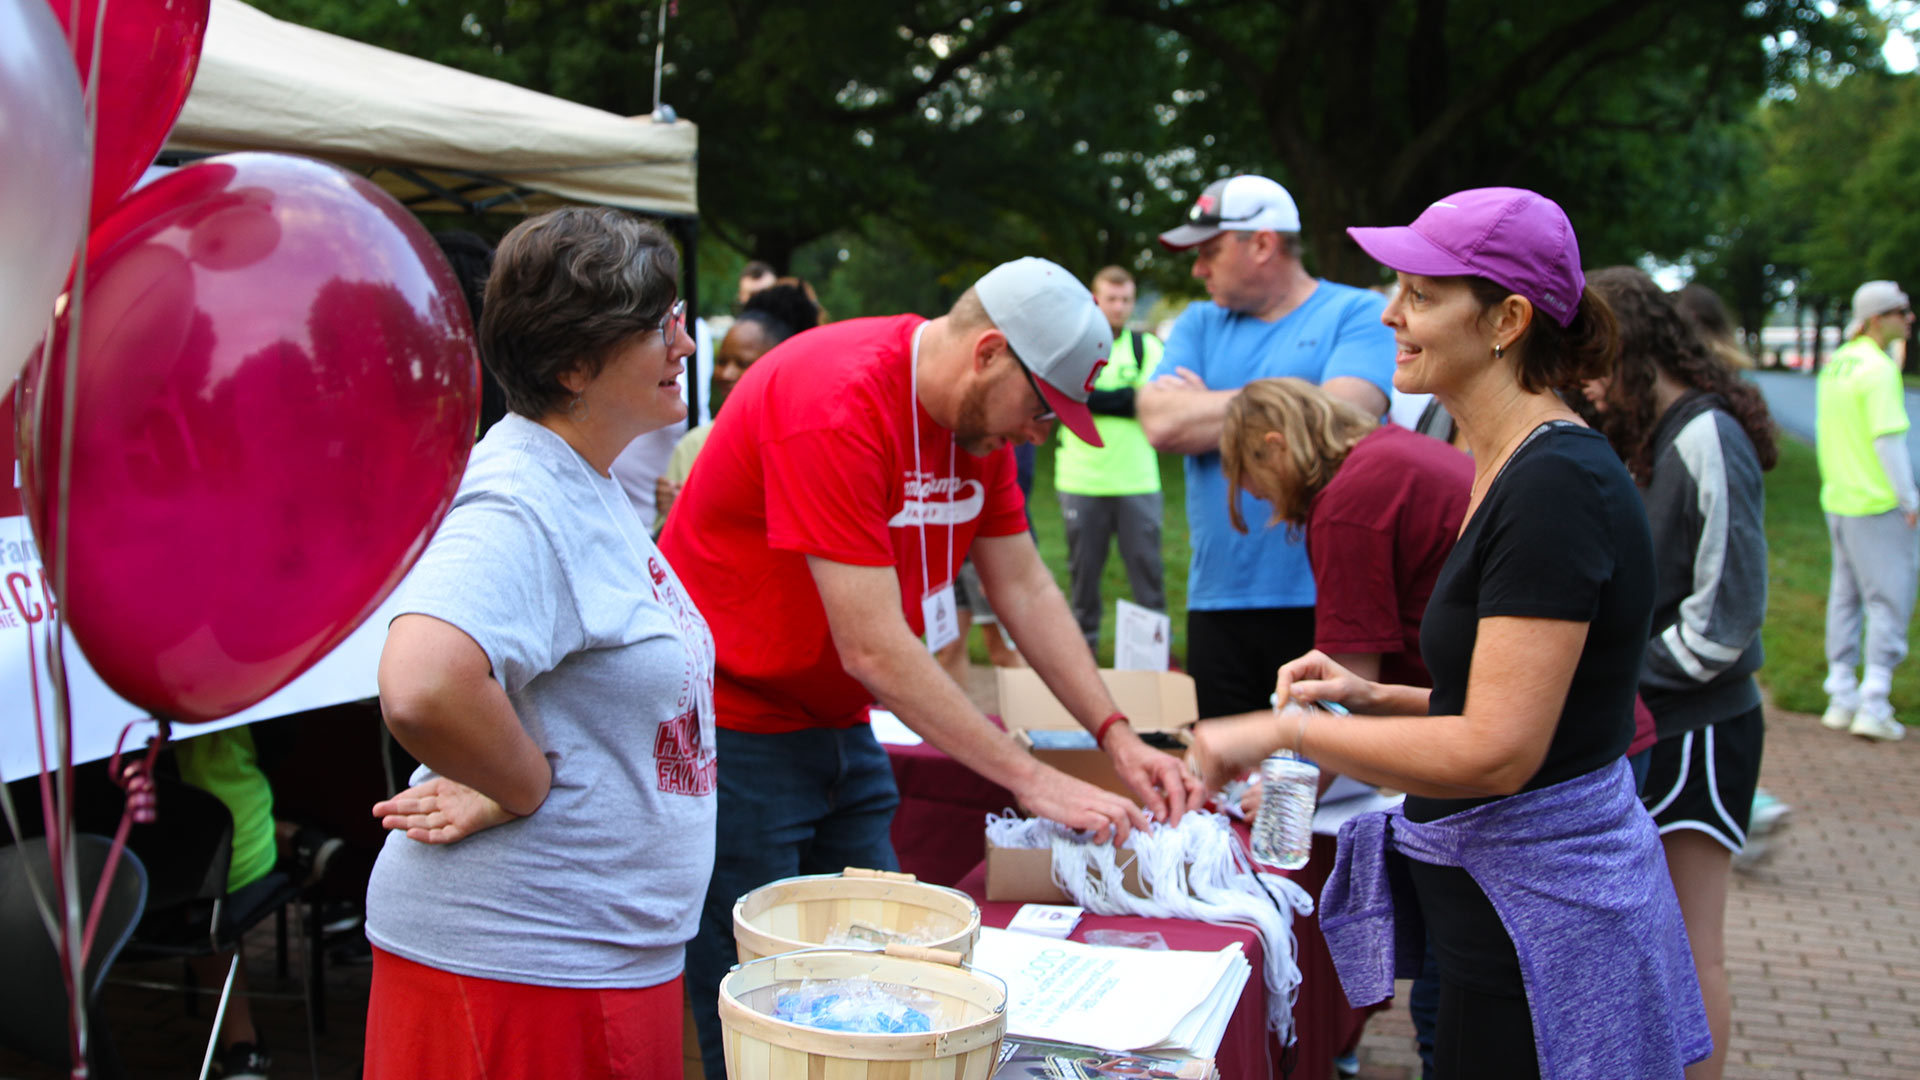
1336 332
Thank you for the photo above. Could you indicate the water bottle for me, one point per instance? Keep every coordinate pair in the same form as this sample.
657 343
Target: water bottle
1283 829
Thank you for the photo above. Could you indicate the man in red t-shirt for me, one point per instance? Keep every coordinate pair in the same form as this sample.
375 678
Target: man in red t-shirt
855 467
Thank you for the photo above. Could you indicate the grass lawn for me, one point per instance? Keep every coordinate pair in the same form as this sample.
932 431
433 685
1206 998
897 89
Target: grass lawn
1794 634
1044 508
1799 563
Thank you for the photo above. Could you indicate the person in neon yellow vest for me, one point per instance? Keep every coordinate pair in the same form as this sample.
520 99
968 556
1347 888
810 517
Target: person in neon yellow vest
1868 493
1115 490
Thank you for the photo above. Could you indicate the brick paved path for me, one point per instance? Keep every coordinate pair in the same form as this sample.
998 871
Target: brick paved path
1823 934
1823 943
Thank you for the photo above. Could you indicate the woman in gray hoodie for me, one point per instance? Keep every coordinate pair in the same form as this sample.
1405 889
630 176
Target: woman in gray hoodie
1696 438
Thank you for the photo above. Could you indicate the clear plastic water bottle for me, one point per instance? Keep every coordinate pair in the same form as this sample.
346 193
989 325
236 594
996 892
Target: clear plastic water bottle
1283 829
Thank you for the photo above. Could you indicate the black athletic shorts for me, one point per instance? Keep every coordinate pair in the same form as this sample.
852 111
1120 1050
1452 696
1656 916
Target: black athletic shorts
1705 779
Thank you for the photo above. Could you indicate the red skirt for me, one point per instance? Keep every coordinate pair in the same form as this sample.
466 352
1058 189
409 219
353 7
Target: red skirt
424 1022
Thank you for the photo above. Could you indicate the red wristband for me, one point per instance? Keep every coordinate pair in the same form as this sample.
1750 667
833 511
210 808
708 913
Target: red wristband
1100 736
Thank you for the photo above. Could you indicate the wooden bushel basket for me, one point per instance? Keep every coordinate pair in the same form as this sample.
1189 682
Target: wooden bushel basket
799 912
965 1045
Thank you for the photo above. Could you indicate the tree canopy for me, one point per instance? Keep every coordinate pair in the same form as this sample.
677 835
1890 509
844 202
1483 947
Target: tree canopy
1826 202
928 139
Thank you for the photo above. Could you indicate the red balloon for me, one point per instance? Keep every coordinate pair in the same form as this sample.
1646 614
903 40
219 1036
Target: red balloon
276 395
147 59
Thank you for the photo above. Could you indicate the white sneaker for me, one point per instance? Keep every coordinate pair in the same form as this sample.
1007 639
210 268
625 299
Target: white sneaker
1767 812
1883 728
1836 718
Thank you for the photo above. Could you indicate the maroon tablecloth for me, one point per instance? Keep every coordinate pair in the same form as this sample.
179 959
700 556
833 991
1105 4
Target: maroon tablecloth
939 829
937 834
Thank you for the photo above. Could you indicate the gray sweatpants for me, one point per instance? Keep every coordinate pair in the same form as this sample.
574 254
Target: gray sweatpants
1876 569
1092 521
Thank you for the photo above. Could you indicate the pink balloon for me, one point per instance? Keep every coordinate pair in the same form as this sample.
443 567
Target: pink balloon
147 59
276 396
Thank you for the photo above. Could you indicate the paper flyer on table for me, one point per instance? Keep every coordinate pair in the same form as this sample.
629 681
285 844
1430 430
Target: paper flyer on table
1121 999
1033 1059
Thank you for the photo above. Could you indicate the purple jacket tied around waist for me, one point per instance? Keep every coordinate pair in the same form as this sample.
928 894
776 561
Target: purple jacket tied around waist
1578 878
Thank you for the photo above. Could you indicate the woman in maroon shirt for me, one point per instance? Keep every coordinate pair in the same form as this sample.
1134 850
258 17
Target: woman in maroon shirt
1380 505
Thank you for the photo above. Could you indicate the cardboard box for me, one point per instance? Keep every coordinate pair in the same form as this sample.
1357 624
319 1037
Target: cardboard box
1152 700
1026 876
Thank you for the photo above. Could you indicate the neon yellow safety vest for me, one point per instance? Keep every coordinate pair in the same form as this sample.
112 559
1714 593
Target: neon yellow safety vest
1127 465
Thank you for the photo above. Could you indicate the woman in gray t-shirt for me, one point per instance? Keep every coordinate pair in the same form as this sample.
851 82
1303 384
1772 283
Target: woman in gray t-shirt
544 871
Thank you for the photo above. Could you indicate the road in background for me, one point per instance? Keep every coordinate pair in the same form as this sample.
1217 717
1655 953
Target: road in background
1789 395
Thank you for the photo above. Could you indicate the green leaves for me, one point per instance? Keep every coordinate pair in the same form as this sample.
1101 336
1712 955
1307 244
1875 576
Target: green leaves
934 136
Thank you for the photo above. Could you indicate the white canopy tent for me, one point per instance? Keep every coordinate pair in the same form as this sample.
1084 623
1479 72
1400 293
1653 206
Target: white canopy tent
434 137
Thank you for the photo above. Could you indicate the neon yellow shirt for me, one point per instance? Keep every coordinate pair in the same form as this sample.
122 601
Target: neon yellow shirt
1858 399
1128 464
223 764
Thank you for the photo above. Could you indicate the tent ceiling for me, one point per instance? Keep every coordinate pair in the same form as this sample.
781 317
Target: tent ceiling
434 137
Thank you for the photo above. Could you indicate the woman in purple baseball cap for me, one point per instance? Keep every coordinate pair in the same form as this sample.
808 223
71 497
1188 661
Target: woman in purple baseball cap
1538 877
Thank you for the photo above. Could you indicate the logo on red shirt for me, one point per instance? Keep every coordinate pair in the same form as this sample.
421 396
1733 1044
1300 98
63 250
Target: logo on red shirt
963 502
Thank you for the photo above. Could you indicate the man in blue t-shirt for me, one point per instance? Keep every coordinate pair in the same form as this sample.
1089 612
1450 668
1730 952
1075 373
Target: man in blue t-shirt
1250 597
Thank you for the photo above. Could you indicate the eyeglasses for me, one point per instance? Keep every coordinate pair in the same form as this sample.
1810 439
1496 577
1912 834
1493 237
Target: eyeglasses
1046 412
674 321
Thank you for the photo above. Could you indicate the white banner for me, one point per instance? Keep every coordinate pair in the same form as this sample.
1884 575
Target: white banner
99 715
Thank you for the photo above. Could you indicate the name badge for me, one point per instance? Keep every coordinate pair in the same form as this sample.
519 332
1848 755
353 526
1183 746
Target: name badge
942 617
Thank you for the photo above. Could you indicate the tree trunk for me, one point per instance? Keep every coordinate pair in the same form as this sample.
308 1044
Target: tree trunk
1819 335
1336 257
1800 329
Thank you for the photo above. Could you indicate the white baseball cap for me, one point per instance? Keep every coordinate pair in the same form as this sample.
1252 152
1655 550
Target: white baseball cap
1876 298
1055 329
1245 203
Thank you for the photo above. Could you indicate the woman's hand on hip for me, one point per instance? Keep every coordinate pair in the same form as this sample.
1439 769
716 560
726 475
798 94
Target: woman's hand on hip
441 811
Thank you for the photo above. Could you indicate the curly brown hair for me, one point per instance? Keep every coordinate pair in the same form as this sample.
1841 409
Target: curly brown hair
1654 338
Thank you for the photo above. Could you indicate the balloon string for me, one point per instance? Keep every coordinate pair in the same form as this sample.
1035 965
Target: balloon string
73 960
58 927
142 808
12 814
49 820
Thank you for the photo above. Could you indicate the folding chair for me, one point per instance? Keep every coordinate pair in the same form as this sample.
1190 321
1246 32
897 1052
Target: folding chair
33 997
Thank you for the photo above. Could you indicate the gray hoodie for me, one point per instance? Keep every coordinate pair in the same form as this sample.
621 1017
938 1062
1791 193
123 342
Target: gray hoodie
1705 504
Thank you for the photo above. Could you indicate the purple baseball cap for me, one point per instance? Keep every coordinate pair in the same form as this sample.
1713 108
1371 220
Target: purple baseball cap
1514 237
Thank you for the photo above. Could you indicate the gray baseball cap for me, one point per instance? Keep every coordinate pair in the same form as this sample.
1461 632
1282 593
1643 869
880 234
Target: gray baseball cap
1876 298
1055 329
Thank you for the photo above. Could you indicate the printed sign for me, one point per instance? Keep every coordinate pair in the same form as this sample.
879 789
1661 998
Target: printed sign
1143 638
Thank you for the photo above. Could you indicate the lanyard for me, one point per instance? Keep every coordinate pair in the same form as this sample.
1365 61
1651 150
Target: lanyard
913 404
